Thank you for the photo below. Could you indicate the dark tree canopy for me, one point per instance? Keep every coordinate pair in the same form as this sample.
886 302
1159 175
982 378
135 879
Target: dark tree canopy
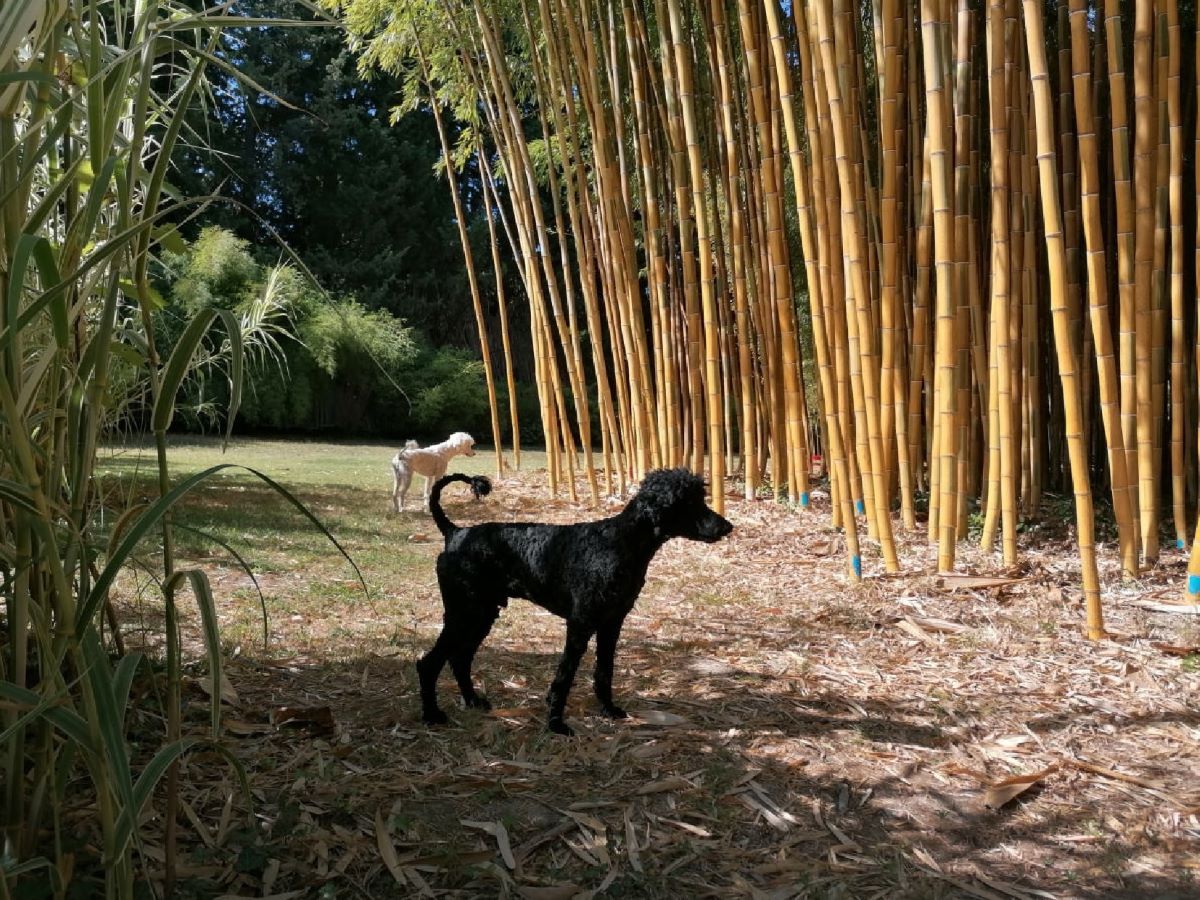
353 195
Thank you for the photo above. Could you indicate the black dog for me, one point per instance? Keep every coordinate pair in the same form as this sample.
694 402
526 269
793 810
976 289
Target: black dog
589 574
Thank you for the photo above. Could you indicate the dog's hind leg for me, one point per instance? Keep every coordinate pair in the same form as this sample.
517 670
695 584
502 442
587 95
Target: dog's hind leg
471 635
606 650
429 667
578 636
400 488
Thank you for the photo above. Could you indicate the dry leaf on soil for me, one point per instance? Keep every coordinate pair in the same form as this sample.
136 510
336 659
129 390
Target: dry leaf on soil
387 850
1006 789
1175 649
318 718
674 783
974 582
500 833
658 717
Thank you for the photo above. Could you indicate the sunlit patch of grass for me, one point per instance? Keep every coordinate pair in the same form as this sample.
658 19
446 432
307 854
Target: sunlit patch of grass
311 593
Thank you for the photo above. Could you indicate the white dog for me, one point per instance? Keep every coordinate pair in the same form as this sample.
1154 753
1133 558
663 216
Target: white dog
428 461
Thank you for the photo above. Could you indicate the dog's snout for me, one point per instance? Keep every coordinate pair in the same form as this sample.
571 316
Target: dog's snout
715 527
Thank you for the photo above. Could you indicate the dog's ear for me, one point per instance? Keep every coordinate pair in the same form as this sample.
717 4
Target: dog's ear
661 494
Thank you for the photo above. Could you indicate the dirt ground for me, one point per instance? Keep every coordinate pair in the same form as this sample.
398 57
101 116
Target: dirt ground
794 735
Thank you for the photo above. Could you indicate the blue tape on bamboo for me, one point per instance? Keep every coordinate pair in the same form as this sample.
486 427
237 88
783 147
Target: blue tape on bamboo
804 501
856 564
1179 545
1194 585
860 507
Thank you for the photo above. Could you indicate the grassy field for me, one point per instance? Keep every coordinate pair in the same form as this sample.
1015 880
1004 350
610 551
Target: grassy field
793 735
347 486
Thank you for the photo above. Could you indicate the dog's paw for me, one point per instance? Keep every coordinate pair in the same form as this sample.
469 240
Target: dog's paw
613 712
477 702
558 726
435 717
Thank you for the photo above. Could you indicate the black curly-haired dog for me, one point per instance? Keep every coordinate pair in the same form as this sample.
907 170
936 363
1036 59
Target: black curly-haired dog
589 574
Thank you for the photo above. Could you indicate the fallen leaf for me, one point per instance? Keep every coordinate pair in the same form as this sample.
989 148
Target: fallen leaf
657 717
648 750
1179 609
974 582
237 726
942 626
710 667
387 850
1175 649
418 538
1003 791
318 718
512 712
1116 776
228 694
915 630
500 833
674 783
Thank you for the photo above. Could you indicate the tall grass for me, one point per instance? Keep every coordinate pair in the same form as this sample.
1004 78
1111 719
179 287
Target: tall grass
92 101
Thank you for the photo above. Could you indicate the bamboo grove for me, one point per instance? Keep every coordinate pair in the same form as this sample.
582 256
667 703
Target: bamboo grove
951 244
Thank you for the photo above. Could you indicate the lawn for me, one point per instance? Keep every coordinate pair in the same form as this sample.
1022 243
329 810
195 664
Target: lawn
793 735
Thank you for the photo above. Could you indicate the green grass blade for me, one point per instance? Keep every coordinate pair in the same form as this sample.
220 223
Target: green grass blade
43 255
14 77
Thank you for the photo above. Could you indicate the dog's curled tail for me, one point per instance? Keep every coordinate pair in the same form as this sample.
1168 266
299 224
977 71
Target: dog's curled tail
480 487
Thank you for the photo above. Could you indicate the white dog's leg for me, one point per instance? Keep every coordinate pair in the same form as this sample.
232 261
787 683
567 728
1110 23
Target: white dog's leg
405 482
396 488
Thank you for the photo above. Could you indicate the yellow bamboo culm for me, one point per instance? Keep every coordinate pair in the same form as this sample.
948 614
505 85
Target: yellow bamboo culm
1067 367
711 204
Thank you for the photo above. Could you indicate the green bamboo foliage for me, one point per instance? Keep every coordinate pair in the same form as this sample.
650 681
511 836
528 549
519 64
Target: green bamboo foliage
89 116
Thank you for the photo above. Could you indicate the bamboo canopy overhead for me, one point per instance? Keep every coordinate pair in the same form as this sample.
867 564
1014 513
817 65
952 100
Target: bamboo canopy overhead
952 247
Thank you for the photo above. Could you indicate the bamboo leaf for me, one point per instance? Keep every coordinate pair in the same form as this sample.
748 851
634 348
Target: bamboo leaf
154 513
123 680
65 719
152 774
18 495
38 248
262 600
233 330
85 225
14 77
108 720
177 367
202 591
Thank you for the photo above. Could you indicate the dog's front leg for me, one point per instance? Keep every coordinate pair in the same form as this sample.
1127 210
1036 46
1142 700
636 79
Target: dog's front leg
606 650
578 636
